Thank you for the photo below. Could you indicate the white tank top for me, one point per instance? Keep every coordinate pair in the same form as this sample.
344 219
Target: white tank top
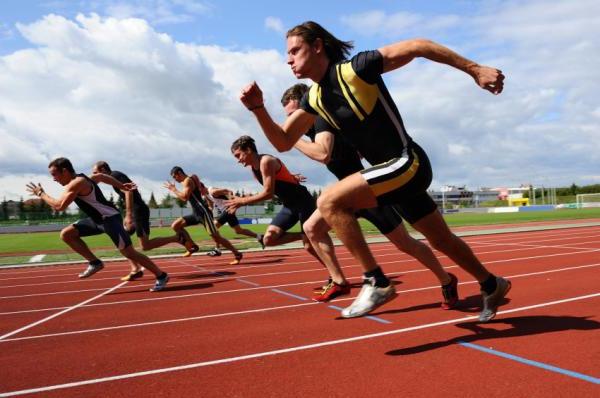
218 202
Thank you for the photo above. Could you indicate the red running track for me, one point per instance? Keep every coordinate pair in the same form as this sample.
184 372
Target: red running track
251 331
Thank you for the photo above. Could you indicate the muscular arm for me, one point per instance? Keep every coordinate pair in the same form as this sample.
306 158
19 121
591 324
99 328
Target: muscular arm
188 187
128 204
110 180
64 200
282 137
268 168
401 53
320 150
220 192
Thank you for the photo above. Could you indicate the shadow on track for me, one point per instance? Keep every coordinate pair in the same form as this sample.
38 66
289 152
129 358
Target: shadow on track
518 326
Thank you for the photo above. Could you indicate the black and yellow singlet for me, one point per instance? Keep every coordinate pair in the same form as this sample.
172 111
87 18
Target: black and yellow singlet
353 99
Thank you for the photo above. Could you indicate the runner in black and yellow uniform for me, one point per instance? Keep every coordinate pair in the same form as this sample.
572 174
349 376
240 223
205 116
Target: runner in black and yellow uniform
201 213
351 96
342 159
271 173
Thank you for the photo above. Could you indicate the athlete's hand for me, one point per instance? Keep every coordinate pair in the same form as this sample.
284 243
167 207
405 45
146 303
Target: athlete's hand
34 189
299 177
128 224
233 204
490 79
252 96
170 186
129 186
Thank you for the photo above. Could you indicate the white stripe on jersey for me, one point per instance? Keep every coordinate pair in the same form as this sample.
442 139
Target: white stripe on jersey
393 118
397 164
219 203
90 199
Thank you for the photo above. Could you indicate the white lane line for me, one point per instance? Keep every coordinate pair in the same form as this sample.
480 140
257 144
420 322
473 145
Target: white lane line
283 350
319 269
242 312
256 288
61 312
381 246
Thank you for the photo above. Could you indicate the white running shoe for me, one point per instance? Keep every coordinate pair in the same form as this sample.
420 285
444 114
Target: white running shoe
160 284
369 298
492 301
91 270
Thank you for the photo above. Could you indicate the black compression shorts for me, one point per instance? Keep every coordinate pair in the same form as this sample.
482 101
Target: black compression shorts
228 218
403 182
112 226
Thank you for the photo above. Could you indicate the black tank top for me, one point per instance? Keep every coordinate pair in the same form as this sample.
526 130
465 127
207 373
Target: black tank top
95 204
287 188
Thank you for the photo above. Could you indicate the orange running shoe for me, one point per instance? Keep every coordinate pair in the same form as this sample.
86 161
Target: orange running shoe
238 259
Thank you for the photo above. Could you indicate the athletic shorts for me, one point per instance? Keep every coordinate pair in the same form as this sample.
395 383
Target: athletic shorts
403 182
112 226
288 217
203 218
228 218
384 218
142 221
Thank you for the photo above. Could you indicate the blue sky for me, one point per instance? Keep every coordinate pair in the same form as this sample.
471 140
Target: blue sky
149 84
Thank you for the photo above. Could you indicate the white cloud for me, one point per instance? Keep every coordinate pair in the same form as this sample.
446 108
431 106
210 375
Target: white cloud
397 25
157 12
115 89
540 129
275 24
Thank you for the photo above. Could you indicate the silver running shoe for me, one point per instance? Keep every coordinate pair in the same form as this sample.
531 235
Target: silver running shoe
492 301
160 284
91 270
369 298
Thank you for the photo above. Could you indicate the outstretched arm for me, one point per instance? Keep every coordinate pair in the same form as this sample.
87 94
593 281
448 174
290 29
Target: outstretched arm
268 168
282 137
60 203
221 192
399 54
181 195
112 181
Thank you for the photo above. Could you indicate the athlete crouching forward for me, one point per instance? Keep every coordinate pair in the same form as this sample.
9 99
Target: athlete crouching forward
298 203
103 217
201 214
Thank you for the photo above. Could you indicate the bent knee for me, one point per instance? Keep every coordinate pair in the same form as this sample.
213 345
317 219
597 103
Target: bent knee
69 233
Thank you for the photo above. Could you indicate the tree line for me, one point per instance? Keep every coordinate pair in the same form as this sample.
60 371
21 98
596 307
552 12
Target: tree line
37 209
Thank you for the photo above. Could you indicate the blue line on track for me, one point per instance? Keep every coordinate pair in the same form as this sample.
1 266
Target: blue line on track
373 318
289 294
551 368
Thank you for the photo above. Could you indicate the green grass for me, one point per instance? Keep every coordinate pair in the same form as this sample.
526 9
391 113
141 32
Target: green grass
13 246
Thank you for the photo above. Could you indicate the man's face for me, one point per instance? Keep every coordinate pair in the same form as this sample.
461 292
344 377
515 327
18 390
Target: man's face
98 170
291 107
63 177
300 56
243 157
178 177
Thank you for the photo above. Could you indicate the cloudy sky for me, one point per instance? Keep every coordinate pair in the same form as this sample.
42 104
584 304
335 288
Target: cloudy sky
146 85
